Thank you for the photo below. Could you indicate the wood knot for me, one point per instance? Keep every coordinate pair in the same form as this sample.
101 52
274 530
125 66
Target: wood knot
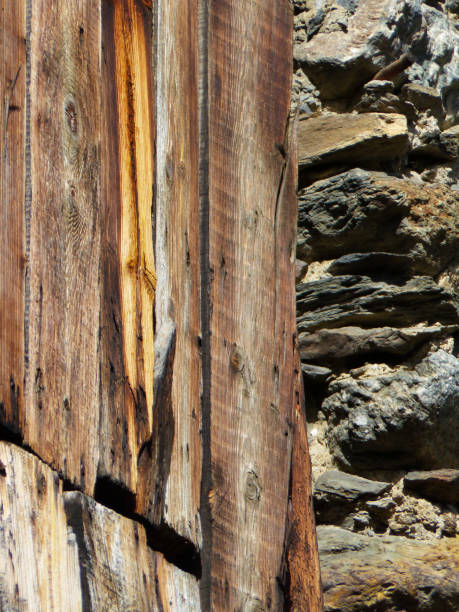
71 117
252 487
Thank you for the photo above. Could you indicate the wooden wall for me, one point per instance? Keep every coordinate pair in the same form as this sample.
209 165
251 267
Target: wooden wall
147 319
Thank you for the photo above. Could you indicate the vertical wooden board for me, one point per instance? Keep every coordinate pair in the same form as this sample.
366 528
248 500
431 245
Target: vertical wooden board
12 171
127 259
177 257
39 567
62 380
119 570
252 224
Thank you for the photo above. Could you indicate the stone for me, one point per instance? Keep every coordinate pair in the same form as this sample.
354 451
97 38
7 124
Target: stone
438 485
424 99
358 47
333 486
350 300
404 419
334 346
378 212
300 269
381 508
314 373
336 494
361 573
373 264
351 139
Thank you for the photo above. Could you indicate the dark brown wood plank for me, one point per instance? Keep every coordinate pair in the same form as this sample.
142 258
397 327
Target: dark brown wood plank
176 446
252 220
62 380
12 230
127 259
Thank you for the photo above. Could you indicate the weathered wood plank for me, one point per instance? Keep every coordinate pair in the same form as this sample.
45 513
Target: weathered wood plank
39 566
118 570
252 314
176 446
127 259
62 380
12 231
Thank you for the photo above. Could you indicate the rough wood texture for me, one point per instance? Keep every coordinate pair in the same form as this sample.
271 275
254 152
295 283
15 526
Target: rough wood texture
63 551
304 585
12 172
128 276
38 560
118 570
62 380
252 322
177 246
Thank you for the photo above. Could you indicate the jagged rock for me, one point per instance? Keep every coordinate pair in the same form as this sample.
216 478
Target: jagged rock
376 264
345 44
425 98
300 269
351 139
365 37
336 493
378 212
357 300
402 419
314 373
362 573
331 346
379 97
381 508
438 485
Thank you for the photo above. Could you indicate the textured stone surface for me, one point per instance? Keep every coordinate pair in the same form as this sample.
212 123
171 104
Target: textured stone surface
351 139
367 211
333 346
336 493
387 574
403 419
357 300
439 485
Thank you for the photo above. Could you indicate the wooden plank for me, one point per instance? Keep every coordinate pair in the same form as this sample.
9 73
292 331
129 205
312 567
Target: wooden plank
39 566
128 278
62 380
176 448
119 570
252 220
12 188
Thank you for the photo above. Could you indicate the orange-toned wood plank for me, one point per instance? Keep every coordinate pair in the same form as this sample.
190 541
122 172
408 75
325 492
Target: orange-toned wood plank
176 447
12 226
129 280
62 380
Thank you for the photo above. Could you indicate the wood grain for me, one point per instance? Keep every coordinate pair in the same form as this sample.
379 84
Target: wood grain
12 194
39 565
119 571
62 379
252 221
127 258
178 454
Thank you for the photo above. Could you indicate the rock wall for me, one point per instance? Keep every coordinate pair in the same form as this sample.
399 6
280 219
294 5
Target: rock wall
376 85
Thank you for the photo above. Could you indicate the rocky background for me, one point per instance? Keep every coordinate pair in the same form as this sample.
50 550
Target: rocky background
376 85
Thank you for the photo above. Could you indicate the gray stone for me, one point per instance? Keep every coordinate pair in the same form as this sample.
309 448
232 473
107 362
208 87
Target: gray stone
333 486
372 264
363 574
314 373
334 346
351 139
438 485
425 98
372 211
357 300
402 419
